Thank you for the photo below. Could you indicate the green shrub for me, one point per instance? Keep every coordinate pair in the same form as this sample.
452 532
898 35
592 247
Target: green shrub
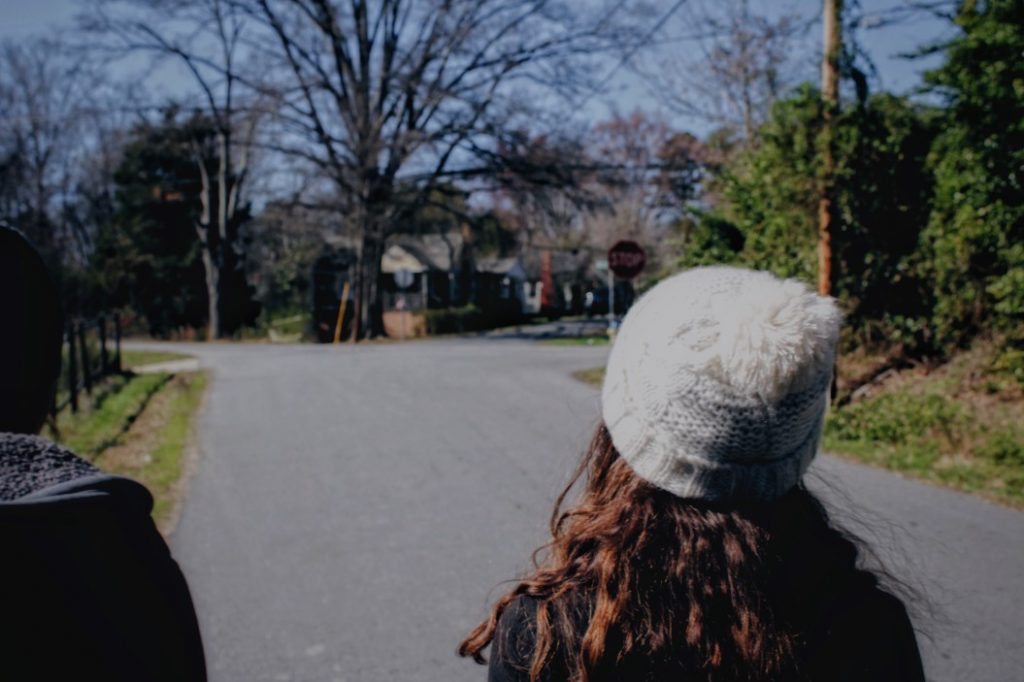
1011 361
896 419
452 320
973 240
1005 446
466 319
766 216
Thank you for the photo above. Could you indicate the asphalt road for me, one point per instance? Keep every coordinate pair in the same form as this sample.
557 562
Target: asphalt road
355 509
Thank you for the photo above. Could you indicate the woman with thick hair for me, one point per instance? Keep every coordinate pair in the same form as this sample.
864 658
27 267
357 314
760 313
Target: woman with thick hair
694 551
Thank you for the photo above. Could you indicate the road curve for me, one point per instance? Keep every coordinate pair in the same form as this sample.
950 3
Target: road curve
354 507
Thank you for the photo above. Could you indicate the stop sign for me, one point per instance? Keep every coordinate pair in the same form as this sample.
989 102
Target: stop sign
626 259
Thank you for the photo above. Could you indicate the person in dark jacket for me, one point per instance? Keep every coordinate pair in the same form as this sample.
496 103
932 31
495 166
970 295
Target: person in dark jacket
694 551
88 587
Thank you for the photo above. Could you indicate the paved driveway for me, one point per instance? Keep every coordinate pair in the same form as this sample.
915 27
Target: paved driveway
355 509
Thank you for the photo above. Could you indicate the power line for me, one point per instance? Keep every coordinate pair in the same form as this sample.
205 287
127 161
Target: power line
636 48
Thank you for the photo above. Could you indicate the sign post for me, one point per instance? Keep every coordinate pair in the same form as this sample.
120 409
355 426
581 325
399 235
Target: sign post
626 260
341 313
611 301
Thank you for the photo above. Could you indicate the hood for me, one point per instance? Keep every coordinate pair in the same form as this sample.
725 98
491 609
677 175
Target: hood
31 463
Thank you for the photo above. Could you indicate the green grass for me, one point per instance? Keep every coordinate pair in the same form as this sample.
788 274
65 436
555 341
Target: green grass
107 415
138 426
593 376
960 424
136 358
936 437
165 464
295 324
577 341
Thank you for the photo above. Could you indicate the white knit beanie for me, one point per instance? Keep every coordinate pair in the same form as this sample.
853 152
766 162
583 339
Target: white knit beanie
718 382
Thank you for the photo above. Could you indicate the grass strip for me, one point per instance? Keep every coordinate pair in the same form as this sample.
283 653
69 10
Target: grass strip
102 421
140 426
935 437
132 357
162 467
593 376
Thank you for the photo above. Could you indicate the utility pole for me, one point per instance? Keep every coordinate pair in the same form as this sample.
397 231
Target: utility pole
831 51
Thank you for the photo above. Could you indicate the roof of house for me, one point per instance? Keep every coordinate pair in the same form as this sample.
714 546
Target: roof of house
420 253
510 267
498 266
443 253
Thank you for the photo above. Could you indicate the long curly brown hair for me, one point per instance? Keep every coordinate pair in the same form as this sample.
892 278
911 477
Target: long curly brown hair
636 576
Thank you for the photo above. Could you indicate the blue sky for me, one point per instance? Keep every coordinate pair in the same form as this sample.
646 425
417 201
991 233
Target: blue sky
24 18
20 18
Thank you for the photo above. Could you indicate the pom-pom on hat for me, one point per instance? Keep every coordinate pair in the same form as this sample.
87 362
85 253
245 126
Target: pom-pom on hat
717 384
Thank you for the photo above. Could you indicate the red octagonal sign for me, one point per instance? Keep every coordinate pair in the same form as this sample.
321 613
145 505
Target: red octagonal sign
626 259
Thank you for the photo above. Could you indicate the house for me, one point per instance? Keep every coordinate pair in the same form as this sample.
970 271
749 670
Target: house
441 271
501 284
441 268
447 274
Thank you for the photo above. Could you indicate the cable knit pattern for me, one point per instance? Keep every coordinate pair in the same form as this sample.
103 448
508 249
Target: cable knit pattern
717 385
31 463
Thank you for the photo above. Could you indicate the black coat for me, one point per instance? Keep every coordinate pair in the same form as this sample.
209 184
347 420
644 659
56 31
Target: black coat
88 587
864 635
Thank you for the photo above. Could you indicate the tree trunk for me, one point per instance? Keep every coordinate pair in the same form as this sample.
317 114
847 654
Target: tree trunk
369 313
211 266
209 231
230 299
370 220
224 240
830 101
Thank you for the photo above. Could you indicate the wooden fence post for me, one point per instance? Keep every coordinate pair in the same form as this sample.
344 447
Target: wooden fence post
104 360
117 342
72 370
84 350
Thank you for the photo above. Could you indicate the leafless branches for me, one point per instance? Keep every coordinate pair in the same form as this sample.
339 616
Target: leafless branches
390 98
734 65
52 137
206 39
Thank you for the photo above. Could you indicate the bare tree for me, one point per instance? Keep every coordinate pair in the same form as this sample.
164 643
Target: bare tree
646 178
631 206
206 39
542 189
44 98
741 62
389 98
630 177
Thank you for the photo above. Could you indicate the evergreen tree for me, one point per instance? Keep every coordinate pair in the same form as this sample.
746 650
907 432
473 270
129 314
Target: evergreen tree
147 258
975 237
767 217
